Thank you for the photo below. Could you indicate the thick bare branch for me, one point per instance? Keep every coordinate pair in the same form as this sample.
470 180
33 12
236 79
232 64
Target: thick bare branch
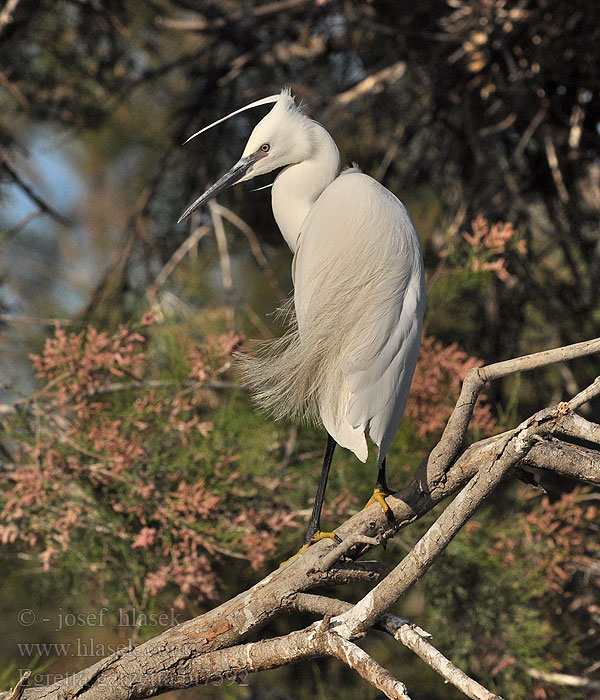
578 462
579 428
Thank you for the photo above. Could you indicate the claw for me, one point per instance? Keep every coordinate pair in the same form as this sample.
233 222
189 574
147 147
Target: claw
379 497
319 535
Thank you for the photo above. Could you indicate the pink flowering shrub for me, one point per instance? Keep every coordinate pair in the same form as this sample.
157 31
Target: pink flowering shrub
436 386
493 247
157 477
117 460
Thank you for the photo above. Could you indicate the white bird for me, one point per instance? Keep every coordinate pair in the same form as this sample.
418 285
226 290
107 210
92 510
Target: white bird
359 294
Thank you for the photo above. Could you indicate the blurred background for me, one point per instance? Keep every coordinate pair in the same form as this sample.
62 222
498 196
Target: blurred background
135 474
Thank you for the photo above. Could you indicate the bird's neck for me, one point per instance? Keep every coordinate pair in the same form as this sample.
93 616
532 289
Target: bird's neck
298 186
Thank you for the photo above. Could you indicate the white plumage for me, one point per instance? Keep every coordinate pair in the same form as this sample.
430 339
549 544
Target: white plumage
359 297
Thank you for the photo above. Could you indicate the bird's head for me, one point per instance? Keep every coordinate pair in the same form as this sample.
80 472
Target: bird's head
281 138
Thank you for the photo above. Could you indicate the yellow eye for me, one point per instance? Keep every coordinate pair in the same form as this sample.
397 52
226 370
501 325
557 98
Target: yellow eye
265 147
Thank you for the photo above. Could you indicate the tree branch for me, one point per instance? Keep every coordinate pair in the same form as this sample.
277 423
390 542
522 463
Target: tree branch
200 649
412 636
433 468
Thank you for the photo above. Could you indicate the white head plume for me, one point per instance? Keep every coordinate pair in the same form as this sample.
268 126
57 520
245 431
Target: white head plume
257 103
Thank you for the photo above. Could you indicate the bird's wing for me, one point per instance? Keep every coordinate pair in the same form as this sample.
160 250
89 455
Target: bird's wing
359 279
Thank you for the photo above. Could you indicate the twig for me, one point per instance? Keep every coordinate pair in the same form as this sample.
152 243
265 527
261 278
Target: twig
41 203
403 631
565 679
113 388
348 544
17 691
529 132
372 83
190 242
13 88
406 633
225 261
290 446
432 469
539 359
586 395
257 321
20 225
255 246
552 159
391 152
7 16
33 321
201 25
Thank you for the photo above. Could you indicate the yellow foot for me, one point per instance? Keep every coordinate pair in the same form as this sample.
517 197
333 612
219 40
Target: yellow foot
379 497
319 535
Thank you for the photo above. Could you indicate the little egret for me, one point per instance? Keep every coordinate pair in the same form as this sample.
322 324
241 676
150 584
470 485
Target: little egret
359 294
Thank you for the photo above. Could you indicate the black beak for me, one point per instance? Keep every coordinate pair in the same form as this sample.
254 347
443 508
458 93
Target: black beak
234 175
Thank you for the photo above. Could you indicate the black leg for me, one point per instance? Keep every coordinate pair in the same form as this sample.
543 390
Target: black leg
315 519
382 487
381 482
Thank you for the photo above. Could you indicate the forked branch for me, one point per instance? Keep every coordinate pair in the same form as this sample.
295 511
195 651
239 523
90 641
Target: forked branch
202 649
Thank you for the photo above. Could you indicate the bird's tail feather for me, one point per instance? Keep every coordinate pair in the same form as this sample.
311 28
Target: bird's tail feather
286 375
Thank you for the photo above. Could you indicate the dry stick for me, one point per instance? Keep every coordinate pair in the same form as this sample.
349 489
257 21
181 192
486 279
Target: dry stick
565 679
528 133
577 462
364 614
585 395
372 83
552 158
431 472
412 636
202 24
17 691
257 321
41 203
33 321
575 426
225 261
405 633
7 13
13 88
192 240
255 246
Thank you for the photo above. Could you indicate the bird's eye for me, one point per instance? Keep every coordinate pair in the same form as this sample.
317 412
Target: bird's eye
265 147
